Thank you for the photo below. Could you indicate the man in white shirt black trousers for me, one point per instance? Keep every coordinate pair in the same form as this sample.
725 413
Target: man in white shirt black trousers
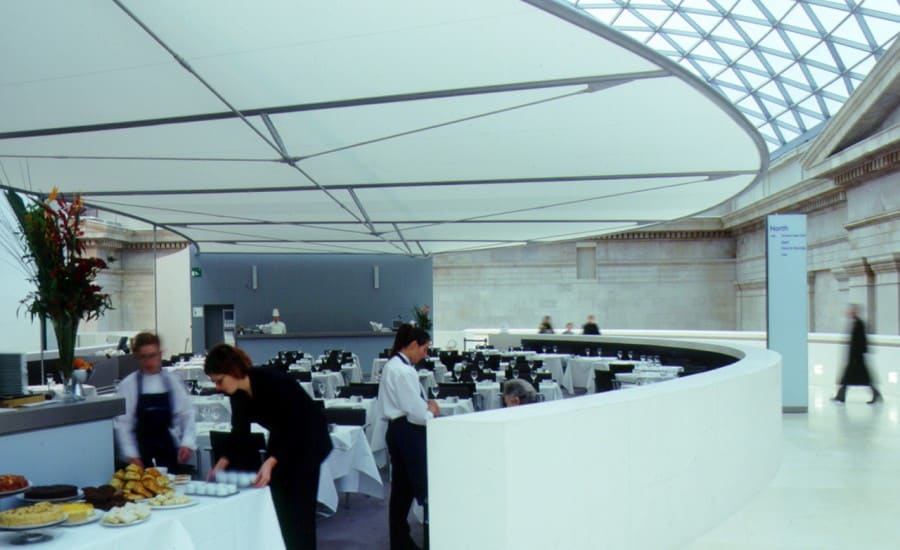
158 424
407 411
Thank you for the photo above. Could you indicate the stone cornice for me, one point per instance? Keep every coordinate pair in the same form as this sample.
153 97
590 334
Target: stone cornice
856 267
888 263
871 168
744 286
872 220
668 235
118 244
804 197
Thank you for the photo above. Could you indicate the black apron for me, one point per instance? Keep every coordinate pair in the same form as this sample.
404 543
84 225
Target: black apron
154 417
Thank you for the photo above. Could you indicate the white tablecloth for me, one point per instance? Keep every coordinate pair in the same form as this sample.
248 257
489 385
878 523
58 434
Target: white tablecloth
491 397
580 372
554 363
330 382
189 371
349 468
463 406
244 520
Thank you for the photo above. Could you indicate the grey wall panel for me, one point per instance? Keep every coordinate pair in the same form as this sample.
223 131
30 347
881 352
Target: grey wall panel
314 293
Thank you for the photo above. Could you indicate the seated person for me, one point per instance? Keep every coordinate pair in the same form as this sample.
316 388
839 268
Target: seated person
570 328
518 392
590 327
545 327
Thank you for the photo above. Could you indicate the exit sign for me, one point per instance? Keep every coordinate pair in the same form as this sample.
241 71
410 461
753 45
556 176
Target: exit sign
196 272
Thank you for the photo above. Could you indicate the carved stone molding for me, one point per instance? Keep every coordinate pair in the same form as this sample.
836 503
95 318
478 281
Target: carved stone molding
871 168
857 267
886 264
750 286
651 235
117 244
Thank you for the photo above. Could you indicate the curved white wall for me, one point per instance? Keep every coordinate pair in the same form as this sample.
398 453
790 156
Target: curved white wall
649 467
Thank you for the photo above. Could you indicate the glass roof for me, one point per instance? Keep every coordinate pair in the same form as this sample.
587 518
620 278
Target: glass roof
787 65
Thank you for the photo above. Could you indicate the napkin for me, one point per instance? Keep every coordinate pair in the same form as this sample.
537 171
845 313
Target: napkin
342 438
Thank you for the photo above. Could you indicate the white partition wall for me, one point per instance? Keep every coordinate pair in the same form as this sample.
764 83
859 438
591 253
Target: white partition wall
650 467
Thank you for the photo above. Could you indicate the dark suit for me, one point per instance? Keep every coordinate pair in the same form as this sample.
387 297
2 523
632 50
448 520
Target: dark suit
856 373
298 439
590 328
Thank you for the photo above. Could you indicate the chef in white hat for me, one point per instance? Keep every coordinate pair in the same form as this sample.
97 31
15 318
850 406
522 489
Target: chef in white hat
276 326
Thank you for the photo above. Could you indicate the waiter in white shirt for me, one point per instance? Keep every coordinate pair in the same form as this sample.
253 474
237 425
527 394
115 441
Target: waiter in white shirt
407 411
276 326
158 424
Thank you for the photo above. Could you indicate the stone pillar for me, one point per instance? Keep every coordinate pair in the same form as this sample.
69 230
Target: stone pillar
860 289
887 293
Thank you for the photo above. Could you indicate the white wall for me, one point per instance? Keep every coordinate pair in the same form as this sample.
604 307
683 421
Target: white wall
649 467
17 332
173 300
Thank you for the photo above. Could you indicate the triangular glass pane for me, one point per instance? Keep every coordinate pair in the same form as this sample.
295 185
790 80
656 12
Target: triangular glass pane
747 8
849 30
738 33
605 14
777 62
773 41
656 16
705 49
795 73
754 31
838 88
733 95
678 23
731 78
754 79
751 60
711 69
771 89
687 43
809 121
628 19
821 54
882 30
797 17
640 36
795 94
865 66
773 108
887 7
733 52
850 56
660 44
786 123
830 18
811 104
802 43
832 105
705 22
697 5
821 76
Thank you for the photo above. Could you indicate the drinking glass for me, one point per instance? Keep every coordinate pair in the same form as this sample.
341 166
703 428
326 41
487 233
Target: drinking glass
587 352
515 373
319 389
543 349
435 391
215 413
630 354
643 358
619 354
555 349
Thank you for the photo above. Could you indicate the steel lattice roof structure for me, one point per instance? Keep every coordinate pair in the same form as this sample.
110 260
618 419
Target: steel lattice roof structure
787 65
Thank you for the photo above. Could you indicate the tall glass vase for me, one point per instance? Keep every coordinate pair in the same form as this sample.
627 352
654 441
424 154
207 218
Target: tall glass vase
66 330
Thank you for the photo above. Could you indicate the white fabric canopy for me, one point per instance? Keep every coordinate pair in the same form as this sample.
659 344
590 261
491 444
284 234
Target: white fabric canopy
400 127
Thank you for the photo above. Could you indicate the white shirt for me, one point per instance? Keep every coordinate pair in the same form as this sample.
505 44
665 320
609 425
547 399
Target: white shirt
183 430
275 327
401 394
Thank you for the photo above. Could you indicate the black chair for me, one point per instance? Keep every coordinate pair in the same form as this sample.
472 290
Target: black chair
245 456
364 390
449 358
487 376
345 416
386 354
493 362
300 375
463 390
604 381
472 374
616 367
541 377
319 403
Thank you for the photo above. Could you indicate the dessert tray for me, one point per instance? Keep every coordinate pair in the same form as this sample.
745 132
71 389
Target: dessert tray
90 519
30 527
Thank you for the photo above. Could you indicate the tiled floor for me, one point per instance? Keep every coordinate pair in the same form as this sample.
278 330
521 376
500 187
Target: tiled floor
838 486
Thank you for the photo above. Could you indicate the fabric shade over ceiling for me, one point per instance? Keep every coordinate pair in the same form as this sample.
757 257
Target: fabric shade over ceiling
395 127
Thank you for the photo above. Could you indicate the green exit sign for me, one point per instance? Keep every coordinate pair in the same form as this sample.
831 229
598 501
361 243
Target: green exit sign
196 272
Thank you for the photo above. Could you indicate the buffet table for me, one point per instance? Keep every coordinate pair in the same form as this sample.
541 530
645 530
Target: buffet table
245 520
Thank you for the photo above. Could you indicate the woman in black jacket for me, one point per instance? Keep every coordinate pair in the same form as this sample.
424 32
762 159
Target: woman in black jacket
856 373
298 437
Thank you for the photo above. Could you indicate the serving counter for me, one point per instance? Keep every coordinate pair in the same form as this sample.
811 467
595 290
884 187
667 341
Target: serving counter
61 442
366 345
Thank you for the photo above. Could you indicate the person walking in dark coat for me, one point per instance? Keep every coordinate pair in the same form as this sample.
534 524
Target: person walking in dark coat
856 373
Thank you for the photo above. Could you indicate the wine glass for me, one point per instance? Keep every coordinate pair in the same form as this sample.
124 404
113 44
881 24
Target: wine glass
555 349
435 391
515 373
587 352
215 413
619 354
319 388
543 349
630 354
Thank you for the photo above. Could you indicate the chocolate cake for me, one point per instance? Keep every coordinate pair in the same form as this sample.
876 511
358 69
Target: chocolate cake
47 492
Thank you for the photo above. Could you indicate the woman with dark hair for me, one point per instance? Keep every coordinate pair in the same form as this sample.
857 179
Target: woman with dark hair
298 437
403 399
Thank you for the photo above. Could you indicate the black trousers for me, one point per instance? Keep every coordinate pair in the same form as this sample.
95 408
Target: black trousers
409 477
294 492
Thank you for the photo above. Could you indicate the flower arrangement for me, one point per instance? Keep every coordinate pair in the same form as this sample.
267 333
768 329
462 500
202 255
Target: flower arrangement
81 364
421 315
53 256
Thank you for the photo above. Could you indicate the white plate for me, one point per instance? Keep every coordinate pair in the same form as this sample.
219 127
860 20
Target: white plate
172 506
135 522
30 527
76 496
16 491
91 519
